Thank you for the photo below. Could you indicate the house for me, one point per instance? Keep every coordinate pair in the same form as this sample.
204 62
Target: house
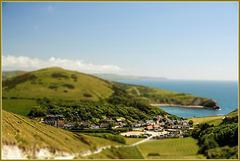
55 120
70 125
119 120
149 127
150 122
155 126
85 124
109 120
142 123
60 124
162 123
104 125
159 117
93 126
135 124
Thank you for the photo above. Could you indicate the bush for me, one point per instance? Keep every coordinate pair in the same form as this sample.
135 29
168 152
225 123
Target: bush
69 86
153 154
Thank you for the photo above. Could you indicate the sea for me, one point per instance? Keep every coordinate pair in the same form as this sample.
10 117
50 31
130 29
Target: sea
224 92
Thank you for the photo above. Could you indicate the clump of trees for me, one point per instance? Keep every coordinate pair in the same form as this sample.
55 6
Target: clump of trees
212 139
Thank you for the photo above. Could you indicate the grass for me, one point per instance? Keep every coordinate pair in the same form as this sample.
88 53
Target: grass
212 120
25 132
68 85
18 106
59 84
117 153
133 140
181 148
155 95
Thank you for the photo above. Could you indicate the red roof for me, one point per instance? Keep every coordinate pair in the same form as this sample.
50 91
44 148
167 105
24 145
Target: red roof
149 127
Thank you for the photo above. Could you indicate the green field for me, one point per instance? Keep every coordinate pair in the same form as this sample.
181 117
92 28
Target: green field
212 120
133 140
117 153
25 132
181 148
18 106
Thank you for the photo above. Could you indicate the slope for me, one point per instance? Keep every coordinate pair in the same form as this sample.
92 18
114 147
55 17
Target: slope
19 130
160 96
57 83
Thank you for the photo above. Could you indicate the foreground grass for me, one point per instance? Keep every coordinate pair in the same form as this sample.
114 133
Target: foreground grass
133 140
19 130
18 106
117 153
181 148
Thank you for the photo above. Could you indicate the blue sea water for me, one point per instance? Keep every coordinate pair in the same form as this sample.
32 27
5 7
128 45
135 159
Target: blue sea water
224 92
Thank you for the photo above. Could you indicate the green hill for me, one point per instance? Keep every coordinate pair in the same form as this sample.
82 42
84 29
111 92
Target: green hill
59 84
160 96
25 132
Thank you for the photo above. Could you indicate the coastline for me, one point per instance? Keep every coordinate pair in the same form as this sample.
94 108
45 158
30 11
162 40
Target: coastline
183 106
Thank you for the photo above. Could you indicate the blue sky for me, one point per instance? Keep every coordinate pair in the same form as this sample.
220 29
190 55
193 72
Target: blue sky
197 40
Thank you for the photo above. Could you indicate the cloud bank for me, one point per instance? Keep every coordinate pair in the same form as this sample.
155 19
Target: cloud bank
20 62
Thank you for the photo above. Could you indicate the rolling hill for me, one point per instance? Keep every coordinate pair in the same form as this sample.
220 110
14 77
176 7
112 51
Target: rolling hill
57 83
60 84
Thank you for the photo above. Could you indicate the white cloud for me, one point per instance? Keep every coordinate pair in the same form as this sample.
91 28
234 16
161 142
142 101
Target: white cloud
35 63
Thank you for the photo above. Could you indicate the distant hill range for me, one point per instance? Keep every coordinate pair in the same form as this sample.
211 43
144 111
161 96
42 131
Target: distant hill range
10 74
115 77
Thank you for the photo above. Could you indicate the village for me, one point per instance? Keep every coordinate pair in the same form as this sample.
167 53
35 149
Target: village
159 127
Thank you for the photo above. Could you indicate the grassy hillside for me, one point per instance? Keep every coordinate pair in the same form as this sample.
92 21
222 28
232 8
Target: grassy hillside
25 132
10 74
117 153
57 83
181 148
18 106
154 95
213 120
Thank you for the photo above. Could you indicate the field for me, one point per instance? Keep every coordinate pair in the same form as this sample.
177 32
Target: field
18 106
20 130
133 140
181 148
212 120
117 153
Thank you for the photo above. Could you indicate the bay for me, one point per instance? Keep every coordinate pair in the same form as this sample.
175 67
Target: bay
224 92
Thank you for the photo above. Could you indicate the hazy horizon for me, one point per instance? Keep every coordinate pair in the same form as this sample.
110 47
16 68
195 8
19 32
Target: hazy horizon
176 40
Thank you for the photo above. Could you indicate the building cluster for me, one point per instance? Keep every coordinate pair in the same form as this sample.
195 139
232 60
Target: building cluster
160 123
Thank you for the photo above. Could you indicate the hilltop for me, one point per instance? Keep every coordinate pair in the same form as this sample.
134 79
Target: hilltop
57 83
60 84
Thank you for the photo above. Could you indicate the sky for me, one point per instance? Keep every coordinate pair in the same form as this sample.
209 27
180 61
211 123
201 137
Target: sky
177 40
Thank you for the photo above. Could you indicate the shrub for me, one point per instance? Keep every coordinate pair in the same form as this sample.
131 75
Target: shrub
153 154
87 95
69 86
